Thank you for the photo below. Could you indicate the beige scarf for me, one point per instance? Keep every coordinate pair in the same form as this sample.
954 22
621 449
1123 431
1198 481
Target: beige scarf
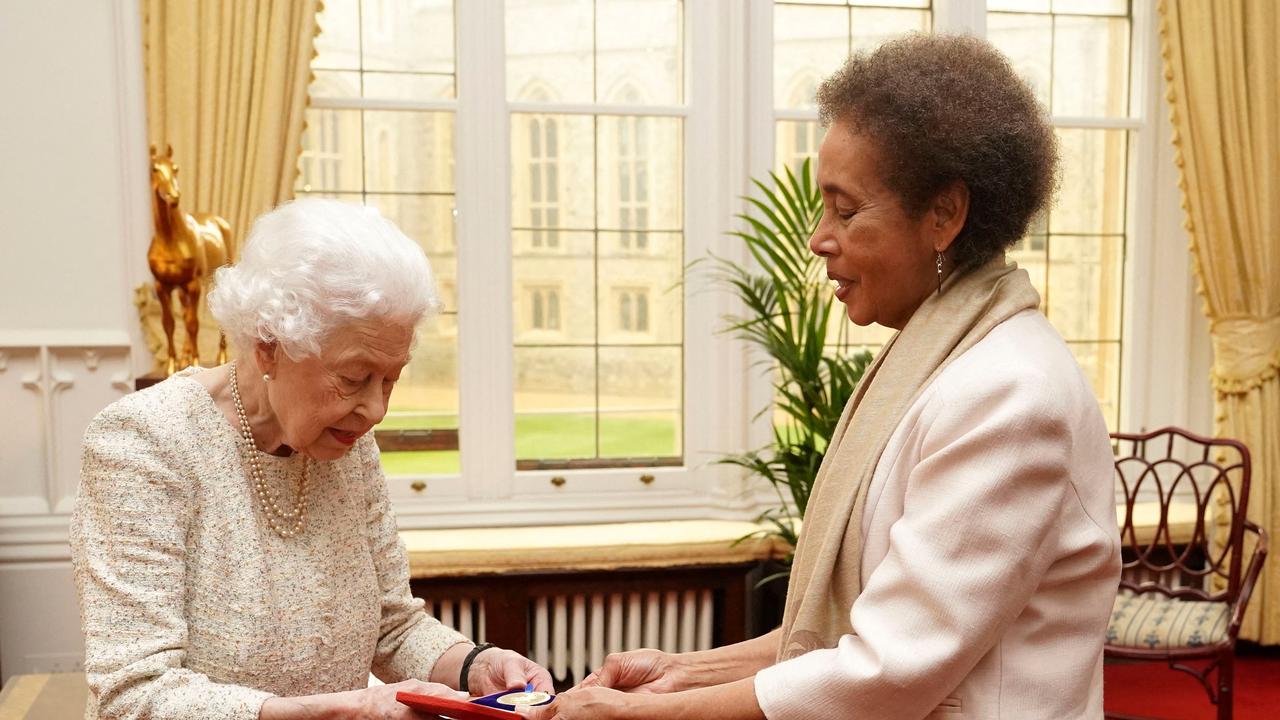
826 576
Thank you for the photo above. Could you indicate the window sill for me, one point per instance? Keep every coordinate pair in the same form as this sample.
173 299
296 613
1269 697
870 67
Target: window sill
462 552
1146 516
570 548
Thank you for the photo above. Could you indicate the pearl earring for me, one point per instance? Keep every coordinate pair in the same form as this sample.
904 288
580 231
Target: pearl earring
266 377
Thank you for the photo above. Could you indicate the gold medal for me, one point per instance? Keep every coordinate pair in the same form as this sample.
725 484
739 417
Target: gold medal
524 698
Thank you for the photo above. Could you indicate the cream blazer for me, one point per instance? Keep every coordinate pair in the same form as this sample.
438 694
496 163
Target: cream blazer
990 556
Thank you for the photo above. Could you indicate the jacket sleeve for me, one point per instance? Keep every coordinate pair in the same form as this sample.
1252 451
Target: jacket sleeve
409 640
962 562
128 550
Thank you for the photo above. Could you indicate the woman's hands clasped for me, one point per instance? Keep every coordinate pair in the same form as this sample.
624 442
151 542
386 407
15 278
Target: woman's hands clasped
617 690
639 671
590 703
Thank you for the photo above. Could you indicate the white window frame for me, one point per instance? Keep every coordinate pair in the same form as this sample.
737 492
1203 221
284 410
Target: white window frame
729 137
489 490
1164 336
1165 355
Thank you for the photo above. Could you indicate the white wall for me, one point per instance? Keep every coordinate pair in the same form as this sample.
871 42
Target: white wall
73 232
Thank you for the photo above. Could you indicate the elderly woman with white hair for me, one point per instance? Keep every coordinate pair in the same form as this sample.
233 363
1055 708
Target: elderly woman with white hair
235 553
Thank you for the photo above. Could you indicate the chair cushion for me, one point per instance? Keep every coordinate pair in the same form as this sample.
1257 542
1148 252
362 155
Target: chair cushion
1155 622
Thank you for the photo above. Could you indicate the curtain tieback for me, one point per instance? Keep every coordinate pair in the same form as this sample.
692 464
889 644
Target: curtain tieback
1246 353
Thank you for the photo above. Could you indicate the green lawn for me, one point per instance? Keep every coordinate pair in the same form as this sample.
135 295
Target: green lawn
418 463
418 422
549 437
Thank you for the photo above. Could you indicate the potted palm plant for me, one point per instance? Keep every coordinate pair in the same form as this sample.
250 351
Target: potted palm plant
788 316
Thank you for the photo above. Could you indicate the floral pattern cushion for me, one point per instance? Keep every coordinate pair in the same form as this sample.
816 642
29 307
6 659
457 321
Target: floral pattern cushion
1155 622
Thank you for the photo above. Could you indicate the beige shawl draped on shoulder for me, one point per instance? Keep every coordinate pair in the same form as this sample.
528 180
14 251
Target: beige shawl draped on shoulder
826 576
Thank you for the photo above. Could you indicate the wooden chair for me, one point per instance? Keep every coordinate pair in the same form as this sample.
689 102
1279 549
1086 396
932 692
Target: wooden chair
1184 539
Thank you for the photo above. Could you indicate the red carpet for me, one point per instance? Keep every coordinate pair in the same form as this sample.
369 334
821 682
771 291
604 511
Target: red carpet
1153 689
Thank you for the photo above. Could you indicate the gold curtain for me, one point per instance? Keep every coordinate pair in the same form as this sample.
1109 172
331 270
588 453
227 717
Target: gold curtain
1222 66
227 88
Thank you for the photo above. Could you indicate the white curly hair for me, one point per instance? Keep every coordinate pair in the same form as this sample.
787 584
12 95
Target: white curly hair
311 265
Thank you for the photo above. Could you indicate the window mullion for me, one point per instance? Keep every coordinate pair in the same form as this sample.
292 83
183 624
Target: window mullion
715 367
487 412
759 160
960 16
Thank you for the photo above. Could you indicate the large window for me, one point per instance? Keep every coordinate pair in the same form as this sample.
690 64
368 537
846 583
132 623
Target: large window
810 41
1076 55
596 149
561 161
381 131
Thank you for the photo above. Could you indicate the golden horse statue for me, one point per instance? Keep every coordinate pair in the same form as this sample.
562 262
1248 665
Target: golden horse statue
185 250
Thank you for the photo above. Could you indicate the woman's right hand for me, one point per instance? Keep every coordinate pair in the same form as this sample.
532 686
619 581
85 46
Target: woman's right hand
640 671
373 703
657 672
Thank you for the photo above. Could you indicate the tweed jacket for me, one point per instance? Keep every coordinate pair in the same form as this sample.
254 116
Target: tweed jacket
192 607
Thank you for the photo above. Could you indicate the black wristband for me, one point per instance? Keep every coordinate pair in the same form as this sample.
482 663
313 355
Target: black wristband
466 664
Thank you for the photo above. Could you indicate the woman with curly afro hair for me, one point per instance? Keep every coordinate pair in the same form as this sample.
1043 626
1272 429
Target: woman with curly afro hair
959 556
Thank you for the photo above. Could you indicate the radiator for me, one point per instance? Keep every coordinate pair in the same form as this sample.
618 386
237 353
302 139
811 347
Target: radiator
570 635
465 616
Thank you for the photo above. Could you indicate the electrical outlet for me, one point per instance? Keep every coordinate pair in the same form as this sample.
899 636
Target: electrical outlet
55 663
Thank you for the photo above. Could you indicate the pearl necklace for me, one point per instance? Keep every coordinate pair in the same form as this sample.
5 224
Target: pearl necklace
285 523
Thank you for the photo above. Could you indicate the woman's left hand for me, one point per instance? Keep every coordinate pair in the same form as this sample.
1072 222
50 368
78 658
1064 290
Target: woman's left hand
498 670
590 703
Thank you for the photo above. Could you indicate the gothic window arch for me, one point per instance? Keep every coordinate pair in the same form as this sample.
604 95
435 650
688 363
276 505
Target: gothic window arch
633 175
543 137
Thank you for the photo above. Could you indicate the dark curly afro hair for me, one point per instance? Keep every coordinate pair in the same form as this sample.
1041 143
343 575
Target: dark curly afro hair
942 108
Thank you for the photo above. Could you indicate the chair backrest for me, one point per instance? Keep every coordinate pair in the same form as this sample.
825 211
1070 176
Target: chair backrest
1186 499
